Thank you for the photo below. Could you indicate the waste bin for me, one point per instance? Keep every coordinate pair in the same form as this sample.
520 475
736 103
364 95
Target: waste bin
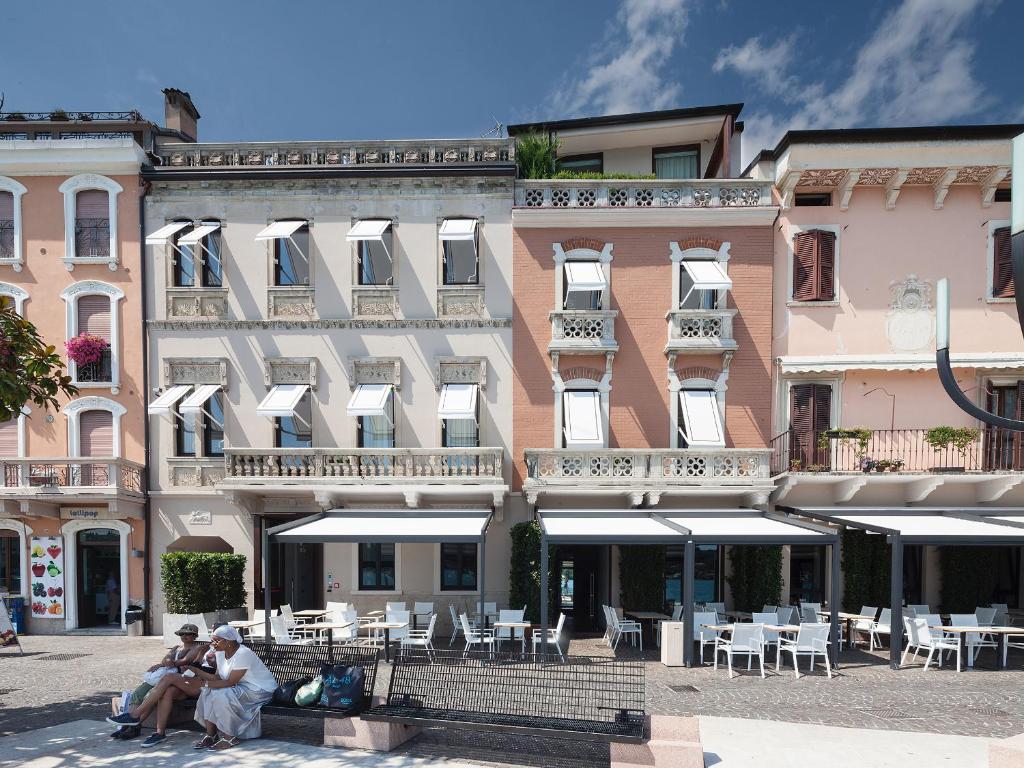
133 619
672 643
16 612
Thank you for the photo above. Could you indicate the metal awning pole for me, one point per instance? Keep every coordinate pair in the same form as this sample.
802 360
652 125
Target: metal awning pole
834 605
483 572
689 632
265 556
543 591
896 603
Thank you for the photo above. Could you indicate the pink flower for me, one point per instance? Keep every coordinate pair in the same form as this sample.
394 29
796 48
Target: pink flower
85 348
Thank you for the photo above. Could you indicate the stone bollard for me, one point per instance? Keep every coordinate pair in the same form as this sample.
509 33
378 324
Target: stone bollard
674 741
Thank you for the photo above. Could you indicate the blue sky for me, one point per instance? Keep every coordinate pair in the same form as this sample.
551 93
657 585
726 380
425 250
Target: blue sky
262 70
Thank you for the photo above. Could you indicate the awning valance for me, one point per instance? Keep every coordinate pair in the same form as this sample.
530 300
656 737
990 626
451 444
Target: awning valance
802 364
164 404
282 401
582 414
280 230
197 234
385 526
195 402
584 276
457 401
368 229
701 422
369 400
162 235
458 229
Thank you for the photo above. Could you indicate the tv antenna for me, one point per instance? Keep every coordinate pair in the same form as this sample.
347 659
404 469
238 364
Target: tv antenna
496 130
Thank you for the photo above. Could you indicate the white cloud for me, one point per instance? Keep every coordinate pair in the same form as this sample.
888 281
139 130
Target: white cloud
627 74
917 67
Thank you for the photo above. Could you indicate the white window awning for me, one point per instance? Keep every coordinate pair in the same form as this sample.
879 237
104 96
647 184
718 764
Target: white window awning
701 422
584 276
162 235
282 401
457 401
368 229
197 234
458 229
386 526
369 400
164 404
280 230
707 275
196 402
582 415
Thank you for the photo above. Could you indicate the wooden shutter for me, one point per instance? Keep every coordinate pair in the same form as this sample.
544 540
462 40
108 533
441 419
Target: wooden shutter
96 433
6 206
1002 264
94 316
810 414
92 204
9 439
826 248
804 262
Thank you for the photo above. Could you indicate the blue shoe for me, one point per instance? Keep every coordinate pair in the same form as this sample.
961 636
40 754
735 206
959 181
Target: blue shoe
153 740
123 719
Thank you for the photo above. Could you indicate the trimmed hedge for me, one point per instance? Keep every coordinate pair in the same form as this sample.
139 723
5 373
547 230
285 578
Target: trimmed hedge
867 563
642 577
524 571
200 582
969 577
755 577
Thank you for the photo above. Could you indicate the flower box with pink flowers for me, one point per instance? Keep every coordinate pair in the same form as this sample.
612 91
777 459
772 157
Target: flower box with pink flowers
86 348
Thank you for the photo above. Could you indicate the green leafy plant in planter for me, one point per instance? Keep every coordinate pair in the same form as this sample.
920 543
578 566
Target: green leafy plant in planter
59 115
961 438
535 155
202 582
860 436
568 173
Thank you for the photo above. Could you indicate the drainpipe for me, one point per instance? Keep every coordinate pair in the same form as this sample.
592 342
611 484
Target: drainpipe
146 570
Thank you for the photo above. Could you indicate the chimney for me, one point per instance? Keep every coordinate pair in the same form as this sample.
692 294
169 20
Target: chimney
180 114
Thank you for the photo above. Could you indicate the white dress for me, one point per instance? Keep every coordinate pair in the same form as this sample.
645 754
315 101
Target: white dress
236 710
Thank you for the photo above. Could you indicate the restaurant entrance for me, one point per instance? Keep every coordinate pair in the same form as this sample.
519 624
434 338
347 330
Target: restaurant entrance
581 578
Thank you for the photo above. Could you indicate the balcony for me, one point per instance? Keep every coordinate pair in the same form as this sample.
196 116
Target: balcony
857 463
649 472
651 193
98 372
92 239
65 480
700 330
583 331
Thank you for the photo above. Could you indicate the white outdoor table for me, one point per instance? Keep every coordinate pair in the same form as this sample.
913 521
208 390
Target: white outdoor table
1001 634
513 625
849 618
387 626
329 627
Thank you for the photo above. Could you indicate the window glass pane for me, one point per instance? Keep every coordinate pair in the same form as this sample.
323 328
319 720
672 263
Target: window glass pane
583 300
377 566
291 257
374 263
184 267
10 562
593 163
676 165
460 433
213 435
705 573
460 265
458 566
184 435
698 299
376 432
212 267
296 431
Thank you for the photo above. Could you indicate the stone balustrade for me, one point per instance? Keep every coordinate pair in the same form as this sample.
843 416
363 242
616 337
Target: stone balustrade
646 193
584 330
698 329
611 467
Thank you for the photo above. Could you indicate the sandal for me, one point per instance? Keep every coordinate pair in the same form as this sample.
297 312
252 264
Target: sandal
205 743
227 743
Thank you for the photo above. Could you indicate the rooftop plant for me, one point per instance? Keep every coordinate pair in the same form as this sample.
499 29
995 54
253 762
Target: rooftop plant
535 155
59 115
567 173
16 116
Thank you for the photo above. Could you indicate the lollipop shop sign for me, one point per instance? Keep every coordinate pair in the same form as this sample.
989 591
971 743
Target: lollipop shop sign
47 577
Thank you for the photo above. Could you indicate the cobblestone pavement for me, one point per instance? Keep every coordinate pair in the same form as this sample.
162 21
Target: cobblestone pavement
65 678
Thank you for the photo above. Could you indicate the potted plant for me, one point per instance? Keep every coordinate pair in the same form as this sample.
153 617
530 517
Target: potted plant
59 115
961 438
85 348
795 465
15 116
84 117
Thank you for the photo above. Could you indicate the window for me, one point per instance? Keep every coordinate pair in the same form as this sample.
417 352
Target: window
196 261
700 423
291 259
593 163
581 412
1002 264
373 407
1003 448
813 199
814 258
184 434
213 426
457 410
458 567
94 319
459 254
295 430
373 261
677 162
92 307
90 219
376 432
584 285
699 283
92 224
706 574
377 566
810 414
7 252
1002 195
9 439
200 414
10 562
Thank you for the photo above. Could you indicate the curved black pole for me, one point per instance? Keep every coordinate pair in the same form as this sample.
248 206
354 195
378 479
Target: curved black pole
963 402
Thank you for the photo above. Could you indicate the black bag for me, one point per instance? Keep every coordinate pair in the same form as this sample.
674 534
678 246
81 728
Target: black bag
284 694
343 688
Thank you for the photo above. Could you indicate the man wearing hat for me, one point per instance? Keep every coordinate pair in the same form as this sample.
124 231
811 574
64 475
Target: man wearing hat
163 681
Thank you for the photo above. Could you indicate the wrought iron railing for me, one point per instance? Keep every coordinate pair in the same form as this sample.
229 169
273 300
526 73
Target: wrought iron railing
626 466
653 193
893 451
70 472
365 465
76 117
92 238
6 239
98 372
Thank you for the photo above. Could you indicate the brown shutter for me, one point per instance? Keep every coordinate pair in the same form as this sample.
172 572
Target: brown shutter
804 262
6 206
1002 266
826 247
92 204
9 438
96 433
94 316
810 414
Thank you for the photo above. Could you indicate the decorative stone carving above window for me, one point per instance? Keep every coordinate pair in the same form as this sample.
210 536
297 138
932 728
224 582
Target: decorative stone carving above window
374 370
195 370
460 370
290 370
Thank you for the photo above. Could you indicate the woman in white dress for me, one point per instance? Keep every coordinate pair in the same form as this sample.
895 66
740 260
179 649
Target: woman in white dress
230 700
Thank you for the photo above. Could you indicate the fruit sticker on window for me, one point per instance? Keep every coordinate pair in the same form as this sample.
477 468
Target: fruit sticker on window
47 577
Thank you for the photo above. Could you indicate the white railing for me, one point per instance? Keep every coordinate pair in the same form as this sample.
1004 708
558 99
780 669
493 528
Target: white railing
700 327
57 474
623 466
583 327
652 193
364 465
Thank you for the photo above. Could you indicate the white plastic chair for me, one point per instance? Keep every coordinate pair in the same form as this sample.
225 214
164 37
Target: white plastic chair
626 627
345 634
788 614
456 624
881 626
974 641
702 634
811 640
281 635
770 636
421 612
396 606
421 638
919 610
398 617
554 636
507 633
608 626
986 616
747 640
864 625
769 608
718 608
1002 614
483 638
259 630
172 623
809 613
920 638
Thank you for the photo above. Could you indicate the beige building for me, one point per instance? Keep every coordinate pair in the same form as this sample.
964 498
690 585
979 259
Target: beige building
330 327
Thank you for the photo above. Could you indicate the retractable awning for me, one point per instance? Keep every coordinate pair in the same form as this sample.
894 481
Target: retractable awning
162 235
917 525
582 414
196 402
368 229
197 234
701 422
707 275
282 401
457 401
164 404
747 527
458 229
581 526
584 276
369 400
280 230
385 526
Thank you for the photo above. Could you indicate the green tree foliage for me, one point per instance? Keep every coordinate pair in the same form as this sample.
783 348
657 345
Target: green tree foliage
642 577
30 371
867 563
756 576
201 582
524 572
